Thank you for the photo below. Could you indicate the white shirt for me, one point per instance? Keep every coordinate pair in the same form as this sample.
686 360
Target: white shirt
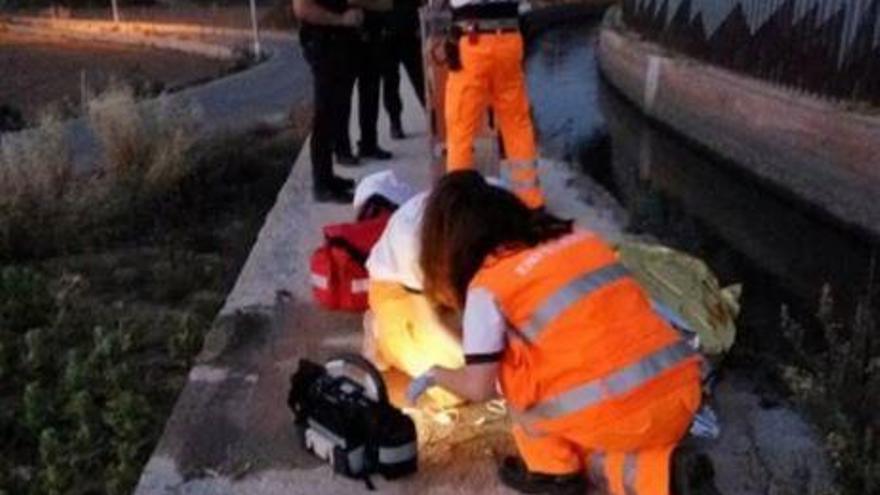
395 256
484 328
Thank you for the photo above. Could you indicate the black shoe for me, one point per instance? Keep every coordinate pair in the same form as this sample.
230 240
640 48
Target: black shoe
375 153
514 474
337 182
397 131
332 195
347 159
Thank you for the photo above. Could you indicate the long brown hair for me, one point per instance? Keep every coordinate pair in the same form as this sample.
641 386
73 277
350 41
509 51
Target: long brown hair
466 219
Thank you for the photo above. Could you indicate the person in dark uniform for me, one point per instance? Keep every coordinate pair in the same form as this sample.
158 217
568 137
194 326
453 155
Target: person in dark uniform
404 47
370 59
328 35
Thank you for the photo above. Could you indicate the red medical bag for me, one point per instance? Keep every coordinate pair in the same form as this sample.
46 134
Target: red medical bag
339 275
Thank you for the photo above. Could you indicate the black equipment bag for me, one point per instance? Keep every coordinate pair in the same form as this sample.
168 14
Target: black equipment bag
344 417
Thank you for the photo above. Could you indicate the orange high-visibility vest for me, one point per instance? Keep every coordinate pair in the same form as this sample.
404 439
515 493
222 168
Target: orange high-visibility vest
586 347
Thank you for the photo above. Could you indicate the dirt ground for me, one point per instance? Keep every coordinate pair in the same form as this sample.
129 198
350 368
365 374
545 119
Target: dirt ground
39 72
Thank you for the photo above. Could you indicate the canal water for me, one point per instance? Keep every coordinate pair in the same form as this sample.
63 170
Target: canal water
779 247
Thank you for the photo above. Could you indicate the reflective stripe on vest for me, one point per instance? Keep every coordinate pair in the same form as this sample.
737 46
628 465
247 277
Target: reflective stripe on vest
629 474
610 386
559 301
596 473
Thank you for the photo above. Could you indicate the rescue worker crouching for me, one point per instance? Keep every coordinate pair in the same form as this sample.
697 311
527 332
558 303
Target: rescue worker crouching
596 382
486 69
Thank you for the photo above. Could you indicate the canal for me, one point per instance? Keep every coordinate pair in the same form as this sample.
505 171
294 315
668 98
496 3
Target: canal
780 248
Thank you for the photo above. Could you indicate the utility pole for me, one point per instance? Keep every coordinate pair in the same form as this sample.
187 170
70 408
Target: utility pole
115 11
255 28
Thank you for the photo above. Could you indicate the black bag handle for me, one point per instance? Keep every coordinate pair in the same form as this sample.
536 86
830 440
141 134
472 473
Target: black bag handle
346 246
373 382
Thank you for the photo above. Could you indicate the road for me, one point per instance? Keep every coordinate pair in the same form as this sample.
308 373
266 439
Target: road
265 92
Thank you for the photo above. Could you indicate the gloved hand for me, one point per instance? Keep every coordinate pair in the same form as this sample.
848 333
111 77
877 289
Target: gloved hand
419 386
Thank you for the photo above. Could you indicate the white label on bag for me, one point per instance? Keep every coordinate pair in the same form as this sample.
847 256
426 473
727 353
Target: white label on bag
320 281
360 285
396 455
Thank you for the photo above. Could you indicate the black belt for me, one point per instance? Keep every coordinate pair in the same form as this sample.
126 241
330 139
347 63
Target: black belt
488 26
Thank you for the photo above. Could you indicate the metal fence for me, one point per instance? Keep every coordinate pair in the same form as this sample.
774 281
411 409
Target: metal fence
826 47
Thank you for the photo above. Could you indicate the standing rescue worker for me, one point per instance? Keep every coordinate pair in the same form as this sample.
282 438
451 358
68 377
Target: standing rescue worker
485 55
596 382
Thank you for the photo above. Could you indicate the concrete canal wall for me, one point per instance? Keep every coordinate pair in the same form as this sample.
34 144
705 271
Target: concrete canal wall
818 150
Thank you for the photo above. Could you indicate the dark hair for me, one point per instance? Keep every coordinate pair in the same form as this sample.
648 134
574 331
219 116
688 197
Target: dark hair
466 220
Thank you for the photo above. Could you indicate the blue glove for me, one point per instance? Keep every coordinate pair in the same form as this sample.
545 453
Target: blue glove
419 386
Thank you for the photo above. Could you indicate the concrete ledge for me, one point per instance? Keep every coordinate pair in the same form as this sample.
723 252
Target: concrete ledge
815 149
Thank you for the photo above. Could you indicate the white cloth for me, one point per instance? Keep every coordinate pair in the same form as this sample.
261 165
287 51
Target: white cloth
395 256
483 328
384 183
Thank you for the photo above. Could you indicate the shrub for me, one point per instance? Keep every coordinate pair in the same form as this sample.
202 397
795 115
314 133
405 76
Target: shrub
35 163
840 386
143 141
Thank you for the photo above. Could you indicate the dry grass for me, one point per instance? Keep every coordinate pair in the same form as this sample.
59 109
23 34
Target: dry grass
35 163
143 141
46 209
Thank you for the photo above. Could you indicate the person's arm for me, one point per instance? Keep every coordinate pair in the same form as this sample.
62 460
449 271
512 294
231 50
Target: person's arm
483 342
311 12
474 382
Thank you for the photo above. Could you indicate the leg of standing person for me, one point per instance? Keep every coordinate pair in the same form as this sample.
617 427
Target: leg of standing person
410 53
511 105
391 87
324 63
467 97
348 77
368 102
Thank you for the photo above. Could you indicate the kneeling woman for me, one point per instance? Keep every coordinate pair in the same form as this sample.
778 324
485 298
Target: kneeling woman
596 382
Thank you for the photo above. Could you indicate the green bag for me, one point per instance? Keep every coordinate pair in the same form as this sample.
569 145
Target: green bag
684 286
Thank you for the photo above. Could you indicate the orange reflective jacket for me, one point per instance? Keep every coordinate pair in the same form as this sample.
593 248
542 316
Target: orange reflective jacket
586 347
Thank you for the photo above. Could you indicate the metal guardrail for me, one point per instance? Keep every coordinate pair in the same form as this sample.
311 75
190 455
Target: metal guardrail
829 48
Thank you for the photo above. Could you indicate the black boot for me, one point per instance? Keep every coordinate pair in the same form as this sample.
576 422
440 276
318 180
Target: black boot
397 130
347 159
374 152
514 474
334 190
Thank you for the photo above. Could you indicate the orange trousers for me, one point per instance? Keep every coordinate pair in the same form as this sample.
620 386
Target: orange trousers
492 75
627 456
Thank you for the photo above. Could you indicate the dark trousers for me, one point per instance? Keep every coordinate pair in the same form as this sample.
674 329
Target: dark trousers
367 65
406 49
329 55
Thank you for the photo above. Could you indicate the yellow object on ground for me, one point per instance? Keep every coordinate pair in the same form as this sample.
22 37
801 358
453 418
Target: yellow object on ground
411 337
492 75
687 287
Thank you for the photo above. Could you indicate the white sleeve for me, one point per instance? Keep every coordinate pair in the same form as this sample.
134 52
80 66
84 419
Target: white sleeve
483 328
